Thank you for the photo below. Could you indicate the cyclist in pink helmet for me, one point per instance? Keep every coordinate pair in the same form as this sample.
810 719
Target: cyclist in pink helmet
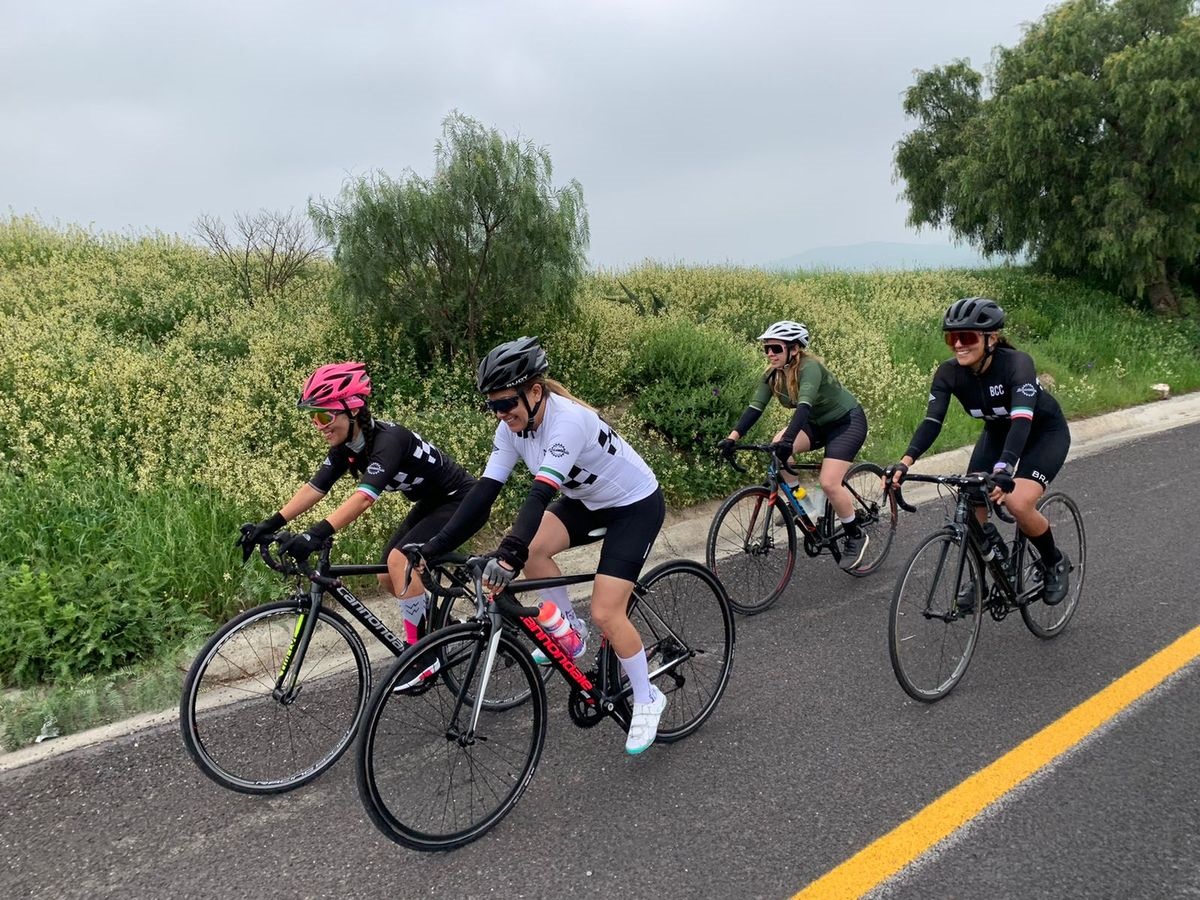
384 457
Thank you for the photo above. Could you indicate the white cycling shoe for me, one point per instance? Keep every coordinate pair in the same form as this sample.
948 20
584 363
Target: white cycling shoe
643 724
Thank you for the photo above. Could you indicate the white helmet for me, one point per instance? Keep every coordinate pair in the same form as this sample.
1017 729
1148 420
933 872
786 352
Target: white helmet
788 332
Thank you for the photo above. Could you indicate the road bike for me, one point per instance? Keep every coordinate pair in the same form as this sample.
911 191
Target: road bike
754 535
957 574
438 766
276 695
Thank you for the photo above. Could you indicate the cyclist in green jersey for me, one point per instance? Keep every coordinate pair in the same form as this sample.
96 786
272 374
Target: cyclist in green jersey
826 415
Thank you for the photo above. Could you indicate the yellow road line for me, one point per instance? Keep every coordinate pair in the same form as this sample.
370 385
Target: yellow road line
905 843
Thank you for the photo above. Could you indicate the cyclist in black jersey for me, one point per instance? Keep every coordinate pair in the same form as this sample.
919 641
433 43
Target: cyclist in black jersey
609 495
1025 436
826 415
384 457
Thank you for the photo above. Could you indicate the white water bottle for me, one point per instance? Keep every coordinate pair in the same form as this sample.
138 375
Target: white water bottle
812 502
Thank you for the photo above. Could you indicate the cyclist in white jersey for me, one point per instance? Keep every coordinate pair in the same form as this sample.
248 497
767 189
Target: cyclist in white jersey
605 485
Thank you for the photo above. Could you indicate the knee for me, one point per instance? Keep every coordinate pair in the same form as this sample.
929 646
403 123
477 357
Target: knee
604 617
830 483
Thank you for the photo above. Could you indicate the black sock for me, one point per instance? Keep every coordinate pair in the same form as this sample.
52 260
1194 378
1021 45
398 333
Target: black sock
851 528
1044 543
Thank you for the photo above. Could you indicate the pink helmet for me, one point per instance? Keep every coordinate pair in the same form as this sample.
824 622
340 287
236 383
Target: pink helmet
336 386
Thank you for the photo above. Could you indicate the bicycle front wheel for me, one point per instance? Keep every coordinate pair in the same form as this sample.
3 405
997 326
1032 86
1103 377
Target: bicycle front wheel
450 612
427 779
935 616
1066 525
875 511
248 737
752 548
686 625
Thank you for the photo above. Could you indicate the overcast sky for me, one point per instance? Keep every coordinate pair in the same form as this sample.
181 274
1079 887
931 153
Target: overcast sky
701 131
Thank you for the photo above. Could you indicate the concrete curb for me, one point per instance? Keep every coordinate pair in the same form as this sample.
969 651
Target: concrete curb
686 531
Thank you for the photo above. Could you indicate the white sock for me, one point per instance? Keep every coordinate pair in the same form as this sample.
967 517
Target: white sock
637 670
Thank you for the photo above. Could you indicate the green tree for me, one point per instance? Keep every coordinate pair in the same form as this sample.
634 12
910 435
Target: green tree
483 249
1085 152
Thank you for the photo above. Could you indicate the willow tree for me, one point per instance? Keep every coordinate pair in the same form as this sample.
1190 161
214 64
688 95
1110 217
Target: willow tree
485 248
1084 153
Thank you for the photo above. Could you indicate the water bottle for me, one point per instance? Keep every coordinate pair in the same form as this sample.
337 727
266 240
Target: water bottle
555 624
996 546
812 502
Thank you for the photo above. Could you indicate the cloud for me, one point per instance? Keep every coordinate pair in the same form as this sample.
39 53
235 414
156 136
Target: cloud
699 130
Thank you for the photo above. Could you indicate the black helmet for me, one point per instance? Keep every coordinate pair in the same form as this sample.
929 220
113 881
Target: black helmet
511 364
973 314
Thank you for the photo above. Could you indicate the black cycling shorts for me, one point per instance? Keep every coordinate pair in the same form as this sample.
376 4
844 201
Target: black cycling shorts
1044 454
424 520
631 532
843 438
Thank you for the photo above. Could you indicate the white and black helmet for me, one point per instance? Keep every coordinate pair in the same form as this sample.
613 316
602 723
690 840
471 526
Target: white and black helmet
511 364
788 332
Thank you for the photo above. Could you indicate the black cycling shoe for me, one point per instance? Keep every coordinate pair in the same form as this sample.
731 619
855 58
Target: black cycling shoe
419 675
853 549
1056 580
965 602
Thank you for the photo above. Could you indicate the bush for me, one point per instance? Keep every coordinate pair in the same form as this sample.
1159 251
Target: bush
690 382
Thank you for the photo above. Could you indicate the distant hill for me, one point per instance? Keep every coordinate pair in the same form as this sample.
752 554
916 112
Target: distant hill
883 255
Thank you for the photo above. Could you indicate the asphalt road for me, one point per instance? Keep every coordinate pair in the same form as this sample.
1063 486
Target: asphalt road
814 752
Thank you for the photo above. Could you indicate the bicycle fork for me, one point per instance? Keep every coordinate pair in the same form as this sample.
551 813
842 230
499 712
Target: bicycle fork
286 690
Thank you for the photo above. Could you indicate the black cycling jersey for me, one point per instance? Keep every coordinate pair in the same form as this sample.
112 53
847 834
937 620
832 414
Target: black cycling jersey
1006 396
395 459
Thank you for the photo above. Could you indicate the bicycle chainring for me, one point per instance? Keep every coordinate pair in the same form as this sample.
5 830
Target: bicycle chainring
585 712
810 546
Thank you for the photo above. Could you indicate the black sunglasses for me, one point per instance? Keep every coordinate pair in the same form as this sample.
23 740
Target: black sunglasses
773 348
503 405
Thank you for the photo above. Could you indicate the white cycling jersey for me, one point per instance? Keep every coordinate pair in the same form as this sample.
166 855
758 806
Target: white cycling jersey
577 452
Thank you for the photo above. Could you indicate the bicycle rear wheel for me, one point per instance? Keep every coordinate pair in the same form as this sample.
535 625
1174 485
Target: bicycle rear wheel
245 738
1066 524
875 510
686 625
934 619
426 780
751 547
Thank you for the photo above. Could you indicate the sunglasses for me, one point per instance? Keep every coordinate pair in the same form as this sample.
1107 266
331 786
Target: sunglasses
323 417
503 405
773 348
966 338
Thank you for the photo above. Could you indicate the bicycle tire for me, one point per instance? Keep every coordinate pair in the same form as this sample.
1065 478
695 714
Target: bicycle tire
740 553
422 787
680 609
235 729
875 510
1067 524
931 634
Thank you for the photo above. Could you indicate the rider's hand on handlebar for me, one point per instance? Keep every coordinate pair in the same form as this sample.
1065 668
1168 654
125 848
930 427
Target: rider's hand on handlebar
252 535
725 447
1002 478
300 546
783 450
497 574
895 473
